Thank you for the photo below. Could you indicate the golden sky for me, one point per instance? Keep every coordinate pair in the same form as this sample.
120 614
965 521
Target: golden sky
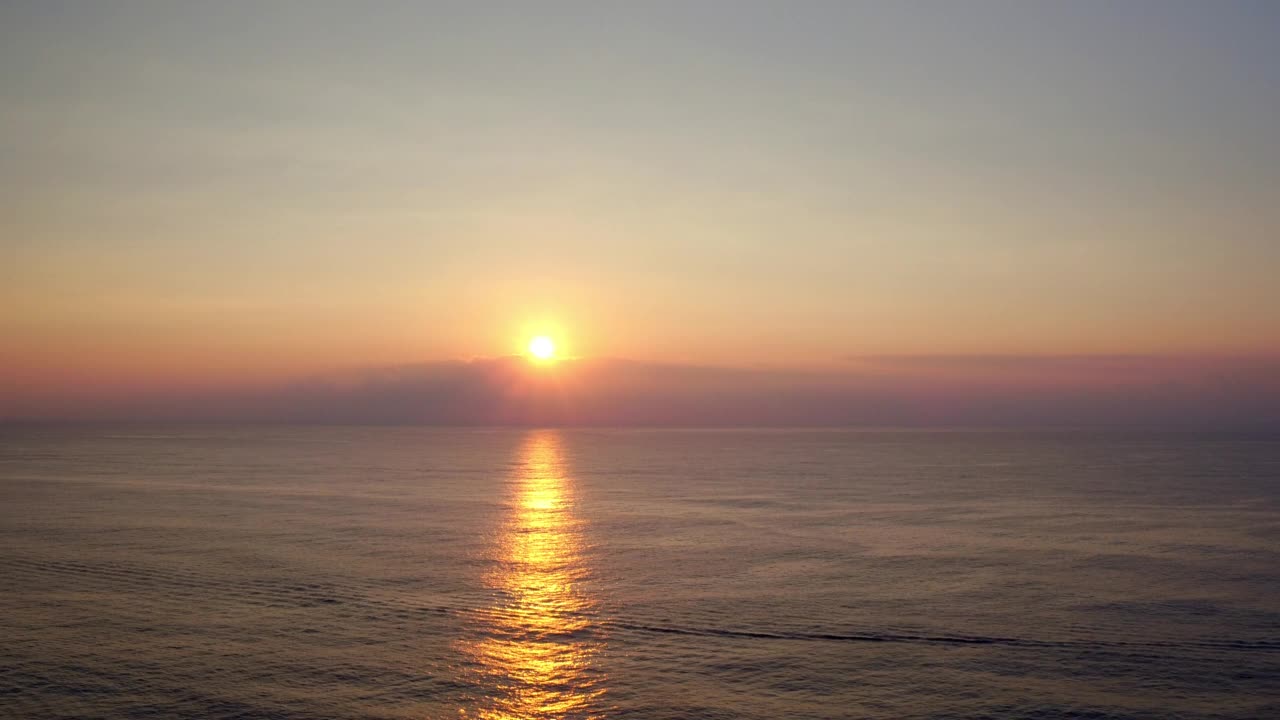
235 193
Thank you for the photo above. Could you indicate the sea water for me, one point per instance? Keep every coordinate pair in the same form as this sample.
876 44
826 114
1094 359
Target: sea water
326 572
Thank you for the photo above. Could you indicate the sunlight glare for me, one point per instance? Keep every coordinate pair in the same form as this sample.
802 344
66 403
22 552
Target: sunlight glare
542 347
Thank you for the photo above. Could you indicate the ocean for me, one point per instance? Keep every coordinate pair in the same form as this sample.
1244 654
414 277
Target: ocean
406 572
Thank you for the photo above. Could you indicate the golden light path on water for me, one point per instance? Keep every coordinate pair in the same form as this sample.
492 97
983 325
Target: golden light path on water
535 645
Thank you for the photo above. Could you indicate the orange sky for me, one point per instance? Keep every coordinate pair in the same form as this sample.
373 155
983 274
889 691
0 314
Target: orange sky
236 196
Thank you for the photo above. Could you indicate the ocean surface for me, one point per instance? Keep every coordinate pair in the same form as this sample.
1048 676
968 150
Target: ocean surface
427 573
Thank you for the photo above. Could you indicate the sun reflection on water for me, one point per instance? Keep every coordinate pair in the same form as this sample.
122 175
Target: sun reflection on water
536 642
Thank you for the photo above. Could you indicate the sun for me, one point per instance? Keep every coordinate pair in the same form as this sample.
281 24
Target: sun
542 347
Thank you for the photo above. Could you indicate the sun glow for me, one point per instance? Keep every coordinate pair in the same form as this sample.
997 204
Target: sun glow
542 348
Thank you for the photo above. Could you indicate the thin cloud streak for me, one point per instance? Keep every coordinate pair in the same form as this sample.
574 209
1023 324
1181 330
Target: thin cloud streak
1124 391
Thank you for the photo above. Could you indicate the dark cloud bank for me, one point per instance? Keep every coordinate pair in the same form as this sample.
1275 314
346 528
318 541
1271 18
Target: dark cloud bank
1198 393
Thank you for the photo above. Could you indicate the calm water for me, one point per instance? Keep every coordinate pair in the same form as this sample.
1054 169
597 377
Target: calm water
421 573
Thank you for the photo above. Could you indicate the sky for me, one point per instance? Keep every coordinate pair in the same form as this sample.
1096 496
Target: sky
843 212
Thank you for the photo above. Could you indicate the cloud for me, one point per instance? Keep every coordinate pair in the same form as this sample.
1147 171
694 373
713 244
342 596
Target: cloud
882 390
